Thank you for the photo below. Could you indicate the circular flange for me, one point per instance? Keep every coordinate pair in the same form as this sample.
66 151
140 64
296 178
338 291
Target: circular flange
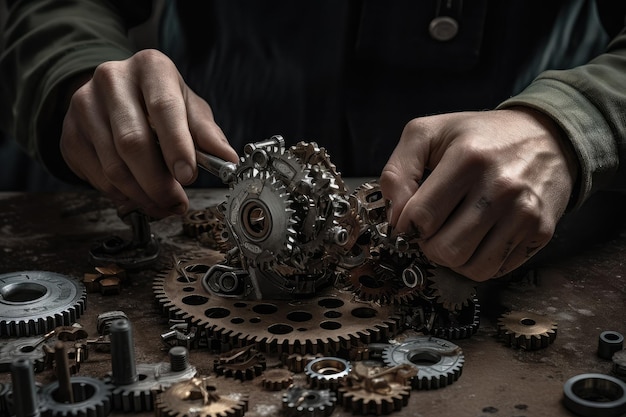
595 395
92 398
609 342
439 362
327 372
319 324
35 302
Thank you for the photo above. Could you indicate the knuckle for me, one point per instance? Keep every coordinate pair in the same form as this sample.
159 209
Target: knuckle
151 57
130 142
445 254
164 103
107 74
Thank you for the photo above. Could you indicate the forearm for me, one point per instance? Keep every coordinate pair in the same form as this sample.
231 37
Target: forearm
49 46
587 102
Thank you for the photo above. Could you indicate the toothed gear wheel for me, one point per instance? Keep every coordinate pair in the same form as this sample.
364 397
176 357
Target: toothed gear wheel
92 398
297 362
456 324
453 291
196 222
318 324
438 362
23 348
526 330
277 379
327 372
299 401
199 397
35 302
363 402
369 285
242 371
259 214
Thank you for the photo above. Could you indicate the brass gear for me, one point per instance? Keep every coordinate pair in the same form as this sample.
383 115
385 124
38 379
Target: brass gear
196 222
368 285
526 330
199 397
319 324
364 402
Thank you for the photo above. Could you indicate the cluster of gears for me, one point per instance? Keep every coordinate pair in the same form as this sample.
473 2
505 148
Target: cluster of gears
299 276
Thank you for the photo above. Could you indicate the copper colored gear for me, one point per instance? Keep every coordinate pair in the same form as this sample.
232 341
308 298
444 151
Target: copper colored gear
196 222
530 331
296 362
368 285
319 324
364 402
277 379
199 397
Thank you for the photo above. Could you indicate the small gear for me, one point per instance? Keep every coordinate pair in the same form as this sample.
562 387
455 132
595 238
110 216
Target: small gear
199 397
242 364
92 398
299 401
296 362
453 291
277 379
369 285
439 362
526 330
327 372
197 222
36 302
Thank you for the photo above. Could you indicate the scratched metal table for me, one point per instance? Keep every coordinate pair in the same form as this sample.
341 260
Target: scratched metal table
582 289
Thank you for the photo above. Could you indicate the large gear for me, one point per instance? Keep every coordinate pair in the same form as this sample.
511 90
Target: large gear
92 398
318 324
299 401
199 397
439 362
36 302
526 330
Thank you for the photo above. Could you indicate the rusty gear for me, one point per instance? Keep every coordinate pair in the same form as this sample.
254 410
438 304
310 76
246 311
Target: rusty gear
526 330
199 397
197 222
453 291
277 379
318 324
299 401
242 364
296 362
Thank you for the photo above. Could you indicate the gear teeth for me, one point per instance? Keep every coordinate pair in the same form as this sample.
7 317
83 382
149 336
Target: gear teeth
364 402
526 330
277 379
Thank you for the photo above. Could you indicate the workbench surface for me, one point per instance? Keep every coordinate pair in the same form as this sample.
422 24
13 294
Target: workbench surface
584 292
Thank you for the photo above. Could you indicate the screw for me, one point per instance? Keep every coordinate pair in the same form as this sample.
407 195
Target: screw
25 402
179 360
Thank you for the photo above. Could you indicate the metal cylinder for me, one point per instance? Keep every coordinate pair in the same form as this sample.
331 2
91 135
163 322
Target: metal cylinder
179 360
65 393
123 368
25 403
609 342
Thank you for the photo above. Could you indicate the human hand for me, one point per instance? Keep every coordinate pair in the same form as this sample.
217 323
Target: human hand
500 181
111 128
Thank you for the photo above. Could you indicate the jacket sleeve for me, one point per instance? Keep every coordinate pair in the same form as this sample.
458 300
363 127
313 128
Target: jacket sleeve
47 46
588 103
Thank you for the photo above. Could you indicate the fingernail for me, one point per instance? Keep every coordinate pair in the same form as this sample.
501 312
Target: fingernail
183 172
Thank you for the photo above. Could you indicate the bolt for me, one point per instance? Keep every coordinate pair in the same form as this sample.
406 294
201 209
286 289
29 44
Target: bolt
123 369
65 393
25 402
179 360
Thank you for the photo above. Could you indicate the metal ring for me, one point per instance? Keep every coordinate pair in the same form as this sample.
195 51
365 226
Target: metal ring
609 342
595 395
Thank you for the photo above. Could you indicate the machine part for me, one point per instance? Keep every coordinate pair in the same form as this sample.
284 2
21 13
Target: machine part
453 291
526 330
196 222
277 379
377 391
107 280
242 364
318 324
91 398
140 251
595 395
296 362
199 397
134 384
299 401
427 317
24 394
4 392
36 302
438 362
609 342
327 372
23 348
104 320
619 364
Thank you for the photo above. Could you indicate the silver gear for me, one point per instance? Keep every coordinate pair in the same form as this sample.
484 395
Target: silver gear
199 397
92 398
318 324
327 372
299 401
36 302
439 362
